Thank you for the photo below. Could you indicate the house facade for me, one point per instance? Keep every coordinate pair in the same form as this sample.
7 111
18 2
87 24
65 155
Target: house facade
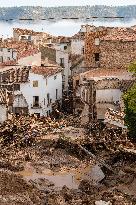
33 89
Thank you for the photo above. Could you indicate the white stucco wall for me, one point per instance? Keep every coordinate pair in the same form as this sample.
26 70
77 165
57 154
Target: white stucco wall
61 46
77 46
66 70
3 113
106 99
15 36
29 91
108 95
31 60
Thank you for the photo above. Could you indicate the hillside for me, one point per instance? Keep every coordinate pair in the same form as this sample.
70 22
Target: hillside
7 13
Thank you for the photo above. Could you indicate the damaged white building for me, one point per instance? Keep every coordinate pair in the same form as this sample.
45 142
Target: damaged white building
100 89
31 89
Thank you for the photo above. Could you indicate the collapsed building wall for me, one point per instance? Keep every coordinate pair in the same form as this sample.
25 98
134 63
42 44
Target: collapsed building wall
98 94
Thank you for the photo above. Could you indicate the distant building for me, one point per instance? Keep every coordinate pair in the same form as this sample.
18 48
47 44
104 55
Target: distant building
28 35
22 53
78 43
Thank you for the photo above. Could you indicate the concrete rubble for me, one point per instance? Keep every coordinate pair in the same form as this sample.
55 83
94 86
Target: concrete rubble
102 203
44 161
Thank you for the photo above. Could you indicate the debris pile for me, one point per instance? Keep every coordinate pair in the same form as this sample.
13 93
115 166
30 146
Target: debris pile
59 160
25 129
100 137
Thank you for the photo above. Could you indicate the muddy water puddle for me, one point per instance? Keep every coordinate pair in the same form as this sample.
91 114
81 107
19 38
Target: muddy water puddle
71 177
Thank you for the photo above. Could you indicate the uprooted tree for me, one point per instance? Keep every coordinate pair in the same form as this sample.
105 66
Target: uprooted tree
130 105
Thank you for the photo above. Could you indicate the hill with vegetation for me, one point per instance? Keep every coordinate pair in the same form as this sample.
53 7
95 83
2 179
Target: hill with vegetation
30 12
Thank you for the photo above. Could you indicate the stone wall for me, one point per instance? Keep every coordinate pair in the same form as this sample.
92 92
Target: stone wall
91 48
117 54
112 53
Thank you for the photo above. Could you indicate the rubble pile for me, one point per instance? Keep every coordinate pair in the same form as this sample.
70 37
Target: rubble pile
100 137
27 128
46 150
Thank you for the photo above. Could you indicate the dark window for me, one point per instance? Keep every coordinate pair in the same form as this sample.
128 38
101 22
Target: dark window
12 54
63 86
83 50
1 59
65 47
77 82
48 98
47 114
36 101
44 101
23 37
16 86
29 38
97 56
55 77
8 49
56 94
62 62
35 83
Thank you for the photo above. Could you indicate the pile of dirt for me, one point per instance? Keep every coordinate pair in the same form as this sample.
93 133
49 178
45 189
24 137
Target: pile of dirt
15 190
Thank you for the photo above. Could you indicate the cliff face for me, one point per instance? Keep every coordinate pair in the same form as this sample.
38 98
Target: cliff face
66 12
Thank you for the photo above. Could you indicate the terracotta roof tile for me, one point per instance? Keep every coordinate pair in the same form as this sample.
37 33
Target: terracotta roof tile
23 49
120 34
108 73
46 70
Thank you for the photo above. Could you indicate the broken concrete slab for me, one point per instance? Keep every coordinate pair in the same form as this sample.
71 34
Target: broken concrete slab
103 203
94 175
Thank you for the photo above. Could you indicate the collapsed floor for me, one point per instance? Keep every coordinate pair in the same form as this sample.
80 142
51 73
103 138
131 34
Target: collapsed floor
57 162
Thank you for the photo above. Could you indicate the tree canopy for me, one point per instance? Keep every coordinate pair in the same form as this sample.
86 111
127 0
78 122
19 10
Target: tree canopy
130 105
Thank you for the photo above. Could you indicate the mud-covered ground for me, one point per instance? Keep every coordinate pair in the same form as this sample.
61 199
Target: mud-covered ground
50 168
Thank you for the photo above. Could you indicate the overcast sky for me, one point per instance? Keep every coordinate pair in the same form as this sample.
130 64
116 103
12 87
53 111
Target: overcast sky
45 3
